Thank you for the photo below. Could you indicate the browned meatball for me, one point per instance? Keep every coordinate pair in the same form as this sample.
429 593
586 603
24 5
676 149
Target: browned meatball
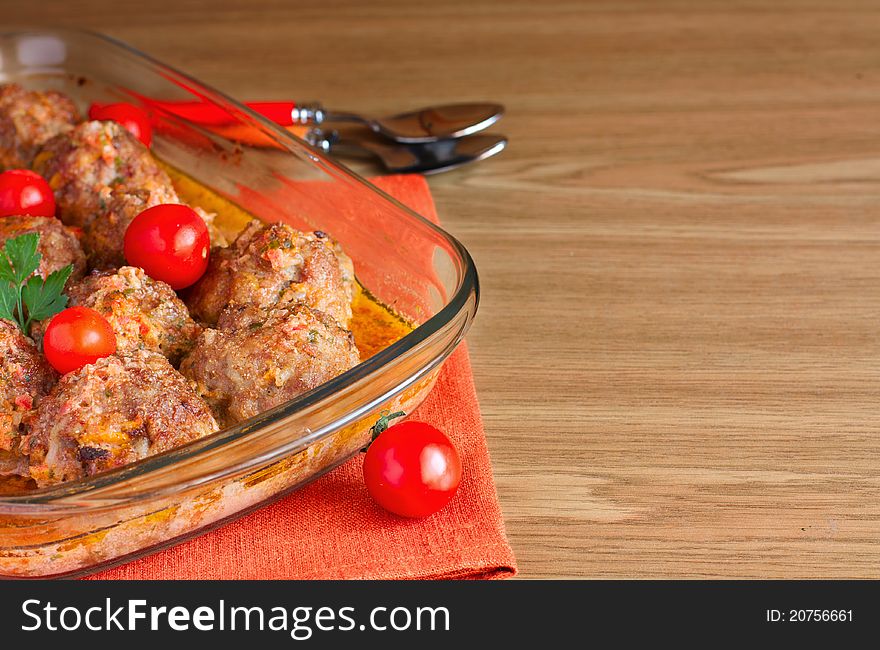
145 313
58 245
104 236
24 378
111 413
271 264
84 166
262 358
28 118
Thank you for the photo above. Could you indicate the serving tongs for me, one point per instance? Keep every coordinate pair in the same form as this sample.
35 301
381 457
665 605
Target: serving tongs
426 141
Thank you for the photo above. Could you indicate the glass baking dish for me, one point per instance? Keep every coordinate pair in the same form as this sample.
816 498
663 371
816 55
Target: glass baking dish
404 261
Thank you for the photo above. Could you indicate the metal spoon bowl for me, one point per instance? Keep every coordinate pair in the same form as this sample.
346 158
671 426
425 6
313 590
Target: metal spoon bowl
425 158
424 125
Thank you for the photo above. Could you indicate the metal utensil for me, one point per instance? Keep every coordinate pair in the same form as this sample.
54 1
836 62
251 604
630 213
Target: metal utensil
424 125
419 158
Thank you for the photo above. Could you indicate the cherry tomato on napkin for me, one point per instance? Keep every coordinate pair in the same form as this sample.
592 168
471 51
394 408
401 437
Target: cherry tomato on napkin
25 192
411 469
129 116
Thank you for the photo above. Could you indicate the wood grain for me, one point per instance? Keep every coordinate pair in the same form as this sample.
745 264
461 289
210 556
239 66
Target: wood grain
677 351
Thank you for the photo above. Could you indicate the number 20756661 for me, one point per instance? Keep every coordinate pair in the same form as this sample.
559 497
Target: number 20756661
809 616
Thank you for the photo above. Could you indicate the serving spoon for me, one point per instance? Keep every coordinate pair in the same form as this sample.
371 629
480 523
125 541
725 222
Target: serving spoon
419 158
428 124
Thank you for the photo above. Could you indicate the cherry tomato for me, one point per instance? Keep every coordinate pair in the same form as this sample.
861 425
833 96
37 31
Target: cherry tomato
128 115
170 243
25 192
76 337
412 469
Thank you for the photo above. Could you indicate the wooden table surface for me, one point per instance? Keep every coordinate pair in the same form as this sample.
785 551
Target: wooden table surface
678 349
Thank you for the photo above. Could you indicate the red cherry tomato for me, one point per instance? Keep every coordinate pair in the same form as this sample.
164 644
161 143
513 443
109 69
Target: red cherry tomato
76 337
25 192
412 469
128 115
170 243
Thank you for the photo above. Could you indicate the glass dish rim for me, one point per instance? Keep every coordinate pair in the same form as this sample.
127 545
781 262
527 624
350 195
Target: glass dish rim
468 284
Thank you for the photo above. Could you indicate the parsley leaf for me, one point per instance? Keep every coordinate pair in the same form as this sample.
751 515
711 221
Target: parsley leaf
24 300
43 298
6 272
23 256
8 298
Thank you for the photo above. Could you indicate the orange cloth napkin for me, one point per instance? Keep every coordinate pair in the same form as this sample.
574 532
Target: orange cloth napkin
332 529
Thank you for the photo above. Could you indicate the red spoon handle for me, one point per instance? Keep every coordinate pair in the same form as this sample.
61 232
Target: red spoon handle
211 115
279 112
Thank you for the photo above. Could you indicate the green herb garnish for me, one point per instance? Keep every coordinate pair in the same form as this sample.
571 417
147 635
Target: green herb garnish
24 299
382 424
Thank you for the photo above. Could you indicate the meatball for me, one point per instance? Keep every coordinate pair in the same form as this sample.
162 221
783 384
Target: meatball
145 313
84 167
28 118
260 358
271 264
58 245
108 414
25 377
104 236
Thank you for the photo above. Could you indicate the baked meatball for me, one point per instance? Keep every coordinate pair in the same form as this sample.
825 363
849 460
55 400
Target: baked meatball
104 236
25 377
58 245
85 165
28 118
145 313
271 264
260 358
108 414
